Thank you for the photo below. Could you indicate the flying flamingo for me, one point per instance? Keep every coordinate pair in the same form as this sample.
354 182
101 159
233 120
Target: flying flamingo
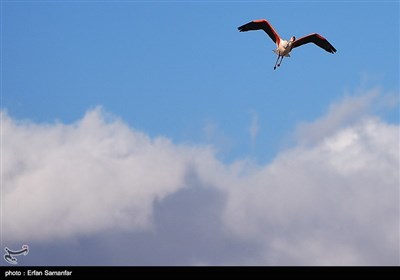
284 47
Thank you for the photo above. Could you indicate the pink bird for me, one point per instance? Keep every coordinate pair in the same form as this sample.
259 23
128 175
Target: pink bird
284 47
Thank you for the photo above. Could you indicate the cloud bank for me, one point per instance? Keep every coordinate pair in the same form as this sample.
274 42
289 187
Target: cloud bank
93 175
331 199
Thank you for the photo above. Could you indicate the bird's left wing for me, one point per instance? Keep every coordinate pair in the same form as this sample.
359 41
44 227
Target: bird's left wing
261 24
316 39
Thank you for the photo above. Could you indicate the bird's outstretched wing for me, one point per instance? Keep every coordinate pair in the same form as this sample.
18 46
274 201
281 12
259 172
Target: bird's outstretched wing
264 25
316 39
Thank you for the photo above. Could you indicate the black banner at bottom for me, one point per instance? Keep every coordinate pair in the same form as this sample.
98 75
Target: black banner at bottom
13 272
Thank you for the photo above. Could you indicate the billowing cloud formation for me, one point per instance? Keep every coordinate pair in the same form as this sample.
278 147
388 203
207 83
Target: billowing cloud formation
334 203
331 200
86 177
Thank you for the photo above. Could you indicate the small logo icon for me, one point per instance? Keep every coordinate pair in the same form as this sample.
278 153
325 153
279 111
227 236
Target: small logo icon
9 255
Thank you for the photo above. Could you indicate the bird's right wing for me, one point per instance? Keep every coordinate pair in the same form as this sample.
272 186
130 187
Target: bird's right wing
264 25
316 39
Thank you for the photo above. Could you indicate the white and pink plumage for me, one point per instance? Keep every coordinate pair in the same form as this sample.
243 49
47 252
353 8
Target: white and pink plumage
284 47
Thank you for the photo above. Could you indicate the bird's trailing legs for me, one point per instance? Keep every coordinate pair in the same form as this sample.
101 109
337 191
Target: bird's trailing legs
276 63
279 64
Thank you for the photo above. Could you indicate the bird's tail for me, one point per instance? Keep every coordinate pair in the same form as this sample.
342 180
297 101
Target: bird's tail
277 52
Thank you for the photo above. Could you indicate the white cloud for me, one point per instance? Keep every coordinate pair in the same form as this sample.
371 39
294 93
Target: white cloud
350 109
62 180
254 128
332 201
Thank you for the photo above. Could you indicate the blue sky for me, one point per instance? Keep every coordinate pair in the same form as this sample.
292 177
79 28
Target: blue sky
180 70
174 68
